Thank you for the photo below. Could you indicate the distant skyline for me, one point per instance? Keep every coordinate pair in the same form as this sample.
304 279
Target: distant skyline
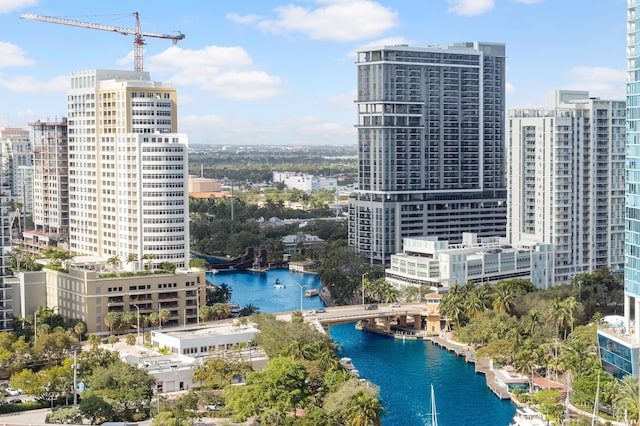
282 72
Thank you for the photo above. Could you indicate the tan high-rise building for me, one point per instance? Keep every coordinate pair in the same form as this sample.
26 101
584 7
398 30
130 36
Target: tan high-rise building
128 169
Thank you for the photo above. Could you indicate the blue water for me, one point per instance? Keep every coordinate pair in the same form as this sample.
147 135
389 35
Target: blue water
404 370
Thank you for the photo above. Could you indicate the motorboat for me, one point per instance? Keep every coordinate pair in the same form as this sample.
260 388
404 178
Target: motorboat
526 416
278 285
311 293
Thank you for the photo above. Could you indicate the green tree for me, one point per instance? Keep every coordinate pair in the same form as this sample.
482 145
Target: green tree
80 328
626 399
164 315
126 387
130 339
113 321
281 386
216 373
364 409
96 409
65 416
112 339
94 340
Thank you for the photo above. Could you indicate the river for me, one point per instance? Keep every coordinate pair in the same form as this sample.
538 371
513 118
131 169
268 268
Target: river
404 370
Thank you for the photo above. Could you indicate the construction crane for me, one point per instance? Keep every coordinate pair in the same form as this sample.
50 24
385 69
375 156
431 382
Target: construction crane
138 41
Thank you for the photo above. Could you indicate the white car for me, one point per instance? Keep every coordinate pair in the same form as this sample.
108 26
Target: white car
13 392
395 305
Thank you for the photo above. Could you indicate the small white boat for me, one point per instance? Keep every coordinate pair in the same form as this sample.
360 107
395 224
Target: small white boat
279 286
526 416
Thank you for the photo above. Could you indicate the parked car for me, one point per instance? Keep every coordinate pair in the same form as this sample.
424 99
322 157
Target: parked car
395 305
15 401
321 310
12 392
212 407
371 307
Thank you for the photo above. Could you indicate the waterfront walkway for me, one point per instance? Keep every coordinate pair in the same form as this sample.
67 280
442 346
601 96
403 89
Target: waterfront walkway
482 365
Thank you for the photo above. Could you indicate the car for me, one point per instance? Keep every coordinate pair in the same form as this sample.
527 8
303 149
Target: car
15 401
371 307
321 310
212 407
395 305
12 392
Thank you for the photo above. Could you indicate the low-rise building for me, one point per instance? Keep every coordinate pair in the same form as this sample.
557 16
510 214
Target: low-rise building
91 289
434 265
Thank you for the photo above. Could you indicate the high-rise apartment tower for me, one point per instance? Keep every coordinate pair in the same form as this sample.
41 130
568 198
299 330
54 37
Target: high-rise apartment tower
565 174
430 145
128 169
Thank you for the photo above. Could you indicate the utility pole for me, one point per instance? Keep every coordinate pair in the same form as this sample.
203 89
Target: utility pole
75 379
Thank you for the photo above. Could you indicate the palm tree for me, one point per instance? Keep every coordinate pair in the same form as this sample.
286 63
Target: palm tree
556 314
112 320
132 258
525 362
474 303
94 340
225 291
626 399
114 262
80 328
130 339
112 340
503 299
364 409
532 321
164 315
148 257
248 310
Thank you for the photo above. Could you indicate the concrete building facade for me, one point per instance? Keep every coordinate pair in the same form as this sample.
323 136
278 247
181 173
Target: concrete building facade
16 159
128 168
565 174
430 145
89 291
50 186
434 266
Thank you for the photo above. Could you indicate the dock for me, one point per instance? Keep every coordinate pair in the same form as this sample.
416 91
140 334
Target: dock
482 365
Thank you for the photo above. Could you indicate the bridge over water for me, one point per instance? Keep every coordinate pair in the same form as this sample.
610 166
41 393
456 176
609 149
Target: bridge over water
414 319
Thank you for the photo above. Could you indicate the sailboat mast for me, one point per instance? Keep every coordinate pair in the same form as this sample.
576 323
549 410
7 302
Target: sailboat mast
434 412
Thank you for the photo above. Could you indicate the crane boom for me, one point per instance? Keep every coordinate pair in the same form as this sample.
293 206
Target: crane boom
138 41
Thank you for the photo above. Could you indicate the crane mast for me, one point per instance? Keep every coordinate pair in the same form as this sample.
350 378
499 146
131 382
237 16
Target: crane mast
138 40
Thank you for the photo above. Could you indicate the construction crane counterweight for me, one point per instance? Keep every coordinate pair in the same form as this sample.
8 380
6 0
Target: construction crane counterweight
138 41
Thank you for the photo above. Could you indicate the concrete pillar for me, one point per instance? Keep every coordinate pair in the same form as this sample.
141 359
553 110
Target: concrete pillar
627 313
387 325
402 320
417 322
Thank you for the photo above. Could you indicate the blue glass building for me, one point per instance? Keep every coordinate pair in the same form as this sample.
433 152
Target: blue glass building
620 346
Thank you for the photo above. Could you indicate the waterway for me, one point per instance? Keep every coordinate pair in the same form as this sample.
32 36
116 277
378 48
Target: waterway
404 370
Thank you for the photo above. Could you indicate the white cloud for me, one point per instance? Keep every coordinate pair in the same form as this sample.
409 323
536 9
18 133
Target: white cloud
509 88
243 19
334 20
28 84
602 82
13 56
528 1
228 72
470 7
11 5
343 101
389 41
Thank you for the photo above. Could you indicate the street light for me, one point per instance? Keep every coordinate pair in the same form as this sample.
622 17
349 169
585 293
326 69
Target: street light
363 275
138 308
35 326
301 287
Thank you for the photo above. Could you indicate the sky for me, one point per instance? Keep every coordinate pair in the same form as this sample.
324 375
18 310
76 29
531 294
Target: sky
282 72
